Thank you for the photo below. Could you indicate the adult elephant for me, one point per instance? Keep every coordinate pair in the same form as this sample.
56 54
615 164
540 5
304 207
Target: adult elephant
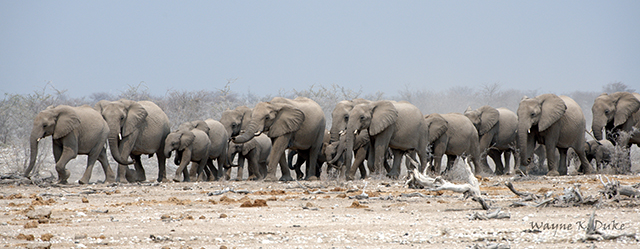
191 145
617 113
390 124
296 124
497 132
75 131
255 152
136 128
236 120
454 135
556 122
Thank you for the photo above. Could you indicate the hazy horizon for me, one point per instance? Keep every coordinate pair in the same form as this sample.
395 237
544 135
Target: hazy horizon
90 47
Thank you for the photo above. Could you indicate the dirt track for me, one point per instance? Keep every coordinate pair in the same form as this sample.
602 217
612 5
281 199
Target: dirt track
321 215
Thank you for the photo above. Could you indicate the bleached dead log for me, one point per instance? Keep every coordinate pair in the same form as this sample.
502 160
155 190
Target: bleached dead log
614 189
469 189
497 214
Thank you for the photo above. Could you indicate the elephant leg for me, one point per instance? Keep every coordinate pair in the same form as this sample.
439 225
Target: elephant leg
182 168
358 163
380 147
277 151
497 160
240 168
507 162
552 162
141 176
284 170
213 170
313 168
562 161
194 172
162 167
91 160
201 166
68 153
397 160
109 176
451 159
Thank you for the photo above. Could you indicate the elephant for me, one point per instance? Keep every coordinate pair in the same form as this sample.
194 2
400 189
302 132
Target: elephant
219 138
296 124
303 156
236 120
191 145
75 131
601 150
390 125
453 134
256 151
497 131
619 115
136 128
556 122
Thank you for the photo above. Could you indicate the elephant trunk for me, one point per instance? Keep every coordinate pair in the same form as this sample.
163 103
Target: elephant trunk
167 151
338 154
248 134
348 148
523 144
115 150
596 126
33 141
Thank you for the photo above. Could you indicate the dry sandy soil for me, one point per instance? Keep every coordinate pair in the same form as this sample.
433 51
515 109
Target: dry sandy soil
319 215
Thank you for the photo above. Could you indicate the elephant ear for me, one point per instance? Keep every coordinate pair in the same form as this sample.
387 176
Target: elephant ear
201 125
248 146
437 126
100 105
186 139
553 108
488 119
136 115
383 114
289 119
66 121
626 105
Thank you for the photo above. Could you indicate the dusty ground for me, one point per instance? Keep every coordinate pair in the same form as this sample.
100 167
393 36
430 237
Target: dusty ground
195 215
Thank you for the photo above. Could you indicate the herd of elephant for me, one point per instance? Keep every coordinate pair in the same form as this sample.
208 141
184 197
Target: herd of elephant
361 130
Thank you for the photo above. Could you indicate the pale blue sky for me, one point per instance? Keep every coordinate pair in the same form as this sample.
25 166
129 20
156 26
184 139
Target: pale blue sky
104 46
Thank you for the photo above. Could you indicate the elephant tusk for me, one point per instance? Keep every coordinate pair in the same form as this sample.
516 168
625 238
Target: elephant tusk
257 133
356 132
342 132
38 139
119 136
528 131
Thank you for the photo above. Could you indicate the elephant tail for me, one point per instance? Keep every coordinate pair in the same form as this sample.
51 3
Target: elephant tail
290 159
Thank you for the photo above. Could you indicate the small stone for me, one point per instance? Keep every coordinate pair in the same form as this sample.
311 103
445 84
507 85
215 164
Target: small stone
85 200
202 217
165 217
223 247
31 224
46 237
28 237
80 236
222 216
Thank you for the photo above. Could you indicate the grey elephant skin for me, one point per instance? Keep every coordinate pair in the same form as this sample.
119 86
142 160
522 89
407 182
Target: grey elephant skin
203 162
617 113
236 120
191 145
296 124
390 125
453 134
255 152
136 128
75 131
600 150
339 120
556 122
303 156
497 132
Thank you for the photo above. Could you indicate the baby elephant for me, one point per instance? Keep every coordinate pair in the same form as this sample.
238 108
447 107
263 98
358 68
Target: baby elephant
256 151
191 145
601 150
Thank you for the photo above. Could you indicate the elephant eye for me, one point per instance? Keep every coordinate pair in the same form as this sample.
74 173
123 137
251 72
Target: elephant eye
533 114
606 111
361 117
